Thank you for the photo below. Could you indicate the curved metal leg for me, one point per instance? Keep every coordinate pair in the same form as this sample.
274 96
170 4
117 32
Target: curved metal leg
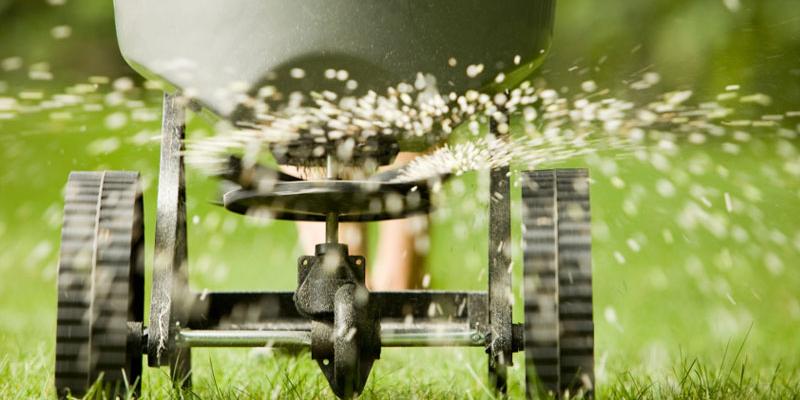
170 273
500 316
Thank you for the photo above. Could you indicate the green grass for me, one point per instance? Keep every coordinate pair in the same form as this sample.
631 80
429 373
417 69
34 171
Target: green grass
429 374
691 300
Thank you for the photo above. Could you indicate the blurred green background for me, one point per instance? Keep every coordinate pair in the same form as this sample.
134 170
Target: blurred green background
677 274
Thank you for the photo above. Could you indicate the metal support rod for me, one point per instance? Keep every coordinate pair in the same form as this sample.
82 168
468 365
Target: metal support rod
467 338
390 337
330 166
331 220
332 228
243 338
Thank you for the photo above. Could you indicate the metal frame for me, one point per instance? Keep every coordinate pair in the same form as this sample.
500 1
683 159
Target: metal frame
180 319
501 347
254 309
408 319
170 270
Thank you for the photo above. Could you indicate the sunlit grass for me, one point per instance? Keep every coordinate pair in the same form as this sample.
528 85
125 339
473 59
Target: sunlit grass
420 374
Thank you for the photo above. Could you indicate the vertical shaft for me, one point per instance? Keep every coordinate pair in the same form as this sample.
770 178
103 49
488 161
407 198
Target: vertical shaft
331 169
332 228
331 220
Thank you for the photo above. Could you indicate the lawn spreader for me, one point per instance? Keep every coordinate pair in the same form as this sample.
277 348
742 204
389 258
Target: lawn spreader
211 52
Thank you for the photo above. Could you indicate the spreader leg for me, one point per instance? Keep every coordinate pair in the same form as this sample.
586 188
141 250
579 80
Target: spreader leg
500 319
170 273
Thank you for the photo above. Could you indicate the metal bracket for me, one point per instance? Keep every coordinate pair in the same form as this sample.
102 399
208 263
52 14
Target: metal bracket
320 276
345 327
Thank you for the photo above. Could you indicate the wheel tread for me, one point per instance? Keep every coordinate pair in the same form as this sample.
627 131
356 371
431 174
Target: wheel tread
100 238
559 331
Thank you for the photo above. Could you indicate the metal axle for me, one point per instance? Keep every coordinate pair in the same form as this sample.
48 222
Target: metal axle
392 335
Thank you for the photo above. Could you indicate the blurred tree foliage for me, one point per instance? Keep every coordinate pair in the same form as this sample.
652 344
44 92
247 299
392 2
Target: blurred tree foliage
90 49
703 45
699 44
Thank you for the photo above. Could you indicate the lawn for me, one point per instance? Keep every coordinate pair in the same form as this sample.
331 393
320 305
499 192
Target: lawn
696 282
695 262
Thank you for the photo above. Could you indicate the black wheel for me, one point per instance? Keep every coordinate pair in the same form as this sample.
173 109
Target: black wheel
559 331
100 284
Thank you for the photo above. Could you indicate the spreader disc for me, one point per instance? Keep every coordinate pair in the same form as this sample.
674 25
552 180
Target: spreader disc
352 201
100 284
559 332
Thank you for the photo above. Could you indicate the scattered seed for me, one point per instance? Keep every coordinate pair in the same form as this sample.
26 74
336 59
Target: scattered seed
297 73
61 32
474 70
